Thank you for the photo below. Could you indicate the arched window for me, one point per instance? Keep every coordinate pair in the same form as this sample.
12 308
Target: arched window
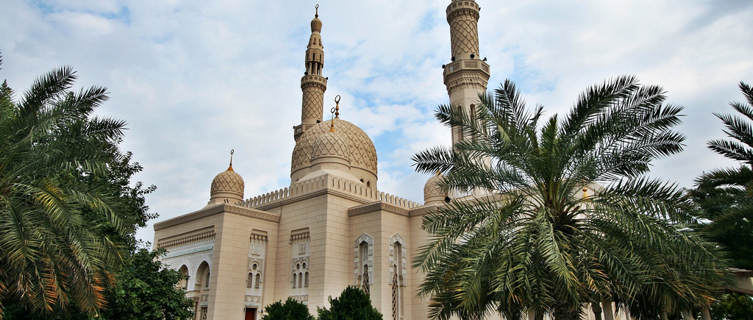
398 270
300 280
183 283
295 276
364 261
202 276
258 280
306 282
250 280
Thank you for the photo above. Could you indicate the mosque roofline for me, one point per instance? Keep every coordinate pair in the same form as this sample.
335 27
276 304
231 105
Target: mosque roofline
214 209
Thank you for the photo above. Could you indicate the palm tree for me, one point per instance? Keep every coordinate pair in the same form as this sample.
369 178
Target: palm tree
570 216
725 194
51 253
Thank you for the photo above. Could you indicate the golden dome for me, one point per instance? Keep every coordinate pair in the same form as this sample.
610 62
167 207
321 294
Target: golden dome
359 148
330 144
433 191
227 186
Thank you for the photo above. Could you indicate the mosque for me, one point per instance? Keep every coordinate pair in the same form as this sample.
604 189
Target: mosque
332 227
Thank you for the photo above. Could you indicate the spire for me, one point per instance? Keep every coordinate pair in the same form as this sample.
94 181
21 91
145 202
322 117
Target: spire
335 113
313 84
230 167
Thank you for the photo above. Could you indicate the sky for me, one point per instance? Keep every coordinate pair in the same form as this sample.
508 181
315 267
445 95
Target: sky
194 79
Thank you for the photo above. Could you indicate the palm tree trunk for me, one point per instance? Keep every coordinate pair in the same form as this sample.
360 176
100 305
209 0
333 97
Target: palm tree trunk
533 315
606 305
706 314
596 308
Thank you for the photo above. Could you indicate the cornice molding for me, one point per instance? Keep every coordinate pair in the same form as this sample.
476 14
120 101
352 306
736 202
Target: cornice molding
214 209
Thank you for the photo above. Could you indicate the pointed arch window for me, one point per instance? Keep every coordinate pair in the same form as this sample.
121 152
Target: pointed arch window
398 270
363 266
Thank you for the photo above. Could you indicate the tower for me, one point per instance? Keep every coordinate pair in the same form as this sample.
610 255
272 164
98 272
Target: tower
466 76
313 84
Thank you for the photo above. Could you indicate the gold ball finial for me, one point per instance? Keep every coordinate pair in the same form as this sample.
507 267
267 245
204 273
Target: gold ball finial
316 7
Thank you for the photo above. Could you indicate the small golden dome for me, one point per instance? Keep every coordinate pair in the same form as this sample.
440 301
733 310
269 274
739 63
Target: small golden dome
227 186
316 24
434 192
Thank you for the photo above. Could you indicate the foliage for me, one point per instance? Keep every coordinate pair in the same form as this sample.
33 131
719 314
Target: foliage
538 243
145 289
725 197
732 306
290 310
353 304
51 253
68 209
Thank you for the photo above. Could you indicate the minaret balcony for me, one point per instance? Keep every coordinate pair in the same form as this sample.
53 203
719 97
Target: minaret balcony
314 79
466 65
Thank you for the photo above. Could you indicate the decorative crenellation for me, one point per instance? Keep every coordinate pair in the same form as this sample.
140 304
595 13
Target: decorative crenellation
302 298
258 237
203 236
300 234
332 183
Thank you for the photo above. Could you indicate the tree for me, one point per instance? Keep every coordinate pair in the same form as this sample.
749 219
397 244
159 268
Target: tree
145 289
68 207
353 304
50 255
290 310
142 289
725 197
570 216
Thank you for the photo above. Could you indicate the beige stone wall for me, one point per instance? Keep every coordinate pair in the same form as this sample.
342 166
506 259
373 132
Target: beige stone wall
308 213
419 237
227 299
370 224
338 247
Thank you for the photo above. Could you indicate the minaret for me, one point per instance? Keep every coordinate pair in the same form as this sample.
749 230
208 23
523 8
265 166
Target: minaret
313 84
466 75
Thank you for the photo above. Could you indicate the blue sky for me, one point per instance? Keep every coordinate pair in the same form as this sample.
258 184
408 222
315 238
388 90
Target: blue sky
195 79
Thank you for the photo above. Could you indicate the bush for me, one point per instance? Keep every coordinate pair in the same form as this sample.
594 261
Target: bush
290 310
353 304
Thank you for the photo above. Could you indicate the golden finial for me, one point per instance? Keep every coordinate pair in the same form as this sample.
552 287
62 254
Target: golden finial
316 7
231 160
585 192
336 111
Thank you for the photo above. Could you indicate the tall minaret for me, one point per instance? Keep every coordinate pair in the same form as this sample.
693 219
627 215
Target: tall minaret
466 75
313 84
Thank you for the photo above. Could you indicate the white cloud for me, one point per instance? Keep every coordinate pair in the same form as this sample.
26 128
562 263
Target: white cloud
194 79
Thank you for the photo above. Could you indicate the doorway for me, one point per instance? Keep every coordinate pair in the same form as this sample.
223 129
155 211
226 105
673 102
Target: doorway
250 313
